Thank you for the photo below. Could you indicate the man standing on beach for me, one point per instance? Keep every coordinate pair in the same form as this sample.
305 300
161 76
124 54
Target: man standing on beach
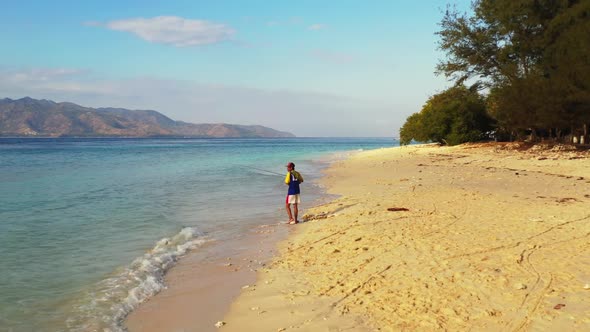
293 180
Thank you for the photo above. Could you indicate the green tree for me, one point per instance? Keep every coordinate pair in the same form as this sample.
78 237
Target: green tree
412 130
532 55
567 63
454 116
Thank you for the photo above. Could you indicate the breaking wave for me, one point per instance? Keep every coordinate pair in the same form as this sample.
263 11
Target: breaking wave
105 306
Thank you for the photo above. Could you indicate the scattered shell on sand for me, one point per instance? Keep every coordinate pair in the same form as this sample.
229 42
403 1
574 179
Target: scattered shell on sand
520 286
219 324
245 286
587 286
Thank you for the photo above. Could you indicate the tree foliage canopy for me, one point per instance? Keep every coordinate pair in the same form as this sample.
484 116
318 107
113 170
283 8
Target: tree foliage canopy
531 56
455 116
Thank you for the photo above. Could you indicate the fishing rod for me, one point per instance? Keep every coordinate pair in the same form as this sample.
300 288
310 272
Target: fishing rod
264 170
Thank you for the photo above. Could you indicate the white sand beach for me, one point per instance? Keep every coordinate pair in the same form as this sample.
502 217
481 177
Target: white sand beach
493 239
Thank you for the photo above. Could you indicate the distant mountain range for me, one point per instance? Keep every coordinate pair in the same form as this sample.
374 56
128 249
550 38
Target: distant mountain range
44 118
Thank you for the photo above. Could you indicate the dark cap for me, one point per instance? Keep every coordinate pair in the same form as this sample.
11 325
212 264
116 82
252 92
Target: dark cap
290 164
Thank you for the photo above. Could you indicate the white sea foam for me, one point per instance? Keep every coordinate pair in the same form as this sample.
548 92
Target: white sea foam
111 300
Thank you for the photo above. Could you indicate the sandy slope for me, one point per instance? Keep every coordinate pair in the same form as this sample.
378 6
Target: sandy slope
494 239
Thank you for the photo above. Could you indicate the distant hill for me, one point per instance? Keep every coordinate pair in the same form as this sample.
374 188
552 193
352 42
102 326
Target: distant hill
45 118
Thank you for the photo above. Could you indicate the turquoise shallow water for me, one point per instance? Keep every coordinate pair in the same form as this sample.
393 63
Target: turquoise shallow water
89 226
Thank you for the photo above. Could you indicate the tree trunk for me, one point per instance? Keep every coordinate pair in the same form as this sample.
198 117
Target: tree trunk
533 136
584 138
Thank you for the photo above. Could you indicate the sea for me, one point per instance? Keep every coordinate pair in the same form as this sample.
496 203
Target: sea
89 227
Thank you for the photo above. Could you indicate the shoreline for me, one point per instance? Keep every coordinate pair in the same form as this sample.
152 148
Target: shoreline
492 238
111 232
202 285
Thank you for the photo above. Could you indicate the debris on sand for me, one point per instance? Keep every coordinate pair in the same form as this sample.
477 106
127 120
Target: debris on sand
394 209
321 215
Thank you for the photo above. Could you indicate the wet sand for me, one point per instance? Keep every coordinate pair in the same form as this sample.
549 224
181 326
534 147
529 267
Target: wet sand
203 284
475 237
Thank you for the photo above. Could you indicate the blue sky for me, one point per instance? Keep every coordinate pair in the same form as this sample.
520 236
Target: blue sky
314 68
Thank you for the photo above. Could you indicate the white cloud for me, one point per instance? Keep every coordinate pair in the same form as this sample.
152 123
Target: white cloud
317 26
33 75
300 112
173 30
